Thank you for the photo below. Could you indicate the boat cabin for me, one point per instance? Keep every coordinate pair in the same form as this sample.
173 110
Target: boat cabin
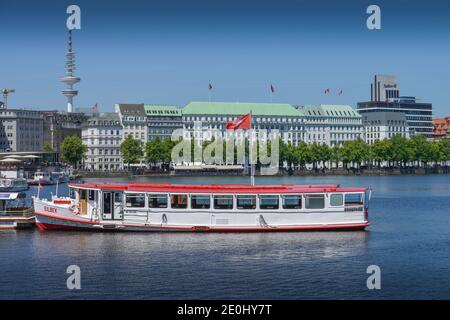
135 201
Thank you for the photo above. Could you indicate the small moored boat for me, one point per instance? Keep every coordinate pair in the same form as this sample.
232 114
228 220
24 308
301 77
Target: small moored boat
166 207
13 184
42 178
14 213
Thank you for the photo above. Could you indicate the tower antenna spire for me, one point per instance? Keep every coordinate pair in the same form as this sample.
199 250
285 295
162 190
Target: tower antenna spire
69 79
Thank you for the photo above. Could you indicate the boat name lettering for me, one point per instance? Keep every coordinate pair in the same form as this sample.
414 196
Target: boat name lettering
50 209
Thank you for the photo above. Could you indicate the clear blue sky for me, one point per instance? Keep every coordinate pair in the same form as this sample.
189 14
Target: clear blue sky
168 51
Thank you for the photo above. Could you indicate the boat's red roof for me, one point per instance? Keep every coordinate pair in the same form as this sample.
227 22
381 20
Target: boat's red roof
215 188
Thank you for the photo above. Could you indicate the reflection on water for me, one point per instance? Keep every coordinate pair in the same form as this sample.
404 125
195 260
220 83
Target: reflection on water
408 239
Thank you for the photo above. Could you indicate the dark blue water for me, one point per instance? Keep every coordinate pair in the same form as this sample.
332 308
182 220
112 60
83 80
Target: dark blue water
409 239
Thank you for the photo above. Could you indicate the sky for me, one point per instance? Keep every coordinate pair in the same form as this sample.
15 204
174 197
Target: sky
166 52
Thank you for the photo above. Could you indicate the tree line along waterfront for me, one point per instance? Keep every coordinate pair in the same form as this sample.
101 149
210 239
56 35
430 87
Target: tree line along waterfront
395 152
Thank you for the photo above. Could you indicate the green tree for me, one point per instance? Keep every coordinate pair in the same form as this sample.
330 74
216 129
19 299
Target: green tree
47 147
131 150
73 150
335 155
314 150
303 154
421 152
401 151
444 145
324 154
379 151
154 150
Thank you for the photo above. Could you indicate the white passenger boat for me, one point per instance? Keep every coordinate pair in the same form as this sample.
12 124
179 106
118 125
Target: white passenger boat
236 208
42 178
13 184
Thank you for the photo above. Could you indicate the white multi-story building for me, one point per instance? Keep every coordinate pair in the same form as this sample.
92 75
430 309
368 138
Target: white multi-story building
102 135
21 130
331 124
384 125
133 120
202 118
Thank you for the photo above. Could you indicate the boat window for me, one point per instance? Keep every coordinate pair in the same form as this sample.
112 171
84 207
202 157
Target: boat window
354 199
246 202
178 201
107 205
200 202
315 201
224 202
118 197
91 195
292 202
135 200
268 202
157 201
336 200
72 194
82 194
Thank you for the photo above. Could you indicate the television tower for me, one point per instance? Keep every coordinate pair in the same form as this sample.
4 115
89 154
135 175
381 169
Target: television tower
70 79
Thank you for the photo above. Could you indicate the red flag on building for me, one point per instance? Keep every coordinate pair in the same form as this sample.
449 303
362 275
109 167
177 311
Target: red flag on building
243 122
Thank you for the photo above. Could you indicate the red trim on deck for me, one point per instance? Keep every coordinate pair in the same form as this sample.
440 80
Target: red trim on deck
219 188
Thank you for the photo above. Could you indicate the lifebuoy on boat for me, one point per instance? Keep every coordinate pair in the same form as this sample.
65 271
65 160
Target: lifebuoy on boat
75 209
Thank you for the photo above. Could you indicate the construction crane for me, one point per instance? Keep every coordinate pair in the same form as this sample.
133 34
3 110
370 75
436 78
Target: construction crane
5 93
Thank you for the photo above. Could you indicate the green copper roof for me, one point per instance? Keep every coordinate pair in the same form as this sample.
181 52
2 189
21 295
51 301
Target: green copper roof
162 110
329 110
239 108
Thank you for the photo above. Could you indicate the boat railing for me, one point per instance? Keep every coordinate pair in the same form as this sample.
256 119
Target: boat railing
17 212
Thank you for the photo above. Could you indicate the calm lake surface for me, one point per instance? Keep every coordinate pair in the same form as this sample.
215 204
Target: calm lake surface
409 239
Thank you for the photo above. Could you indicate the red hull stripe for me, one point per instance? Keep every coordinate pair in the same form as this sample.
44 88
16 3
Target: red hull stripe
55 226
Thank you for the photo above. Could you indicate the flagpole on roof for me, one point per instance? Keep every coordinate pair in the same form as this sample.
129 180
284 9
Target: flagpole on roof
210 87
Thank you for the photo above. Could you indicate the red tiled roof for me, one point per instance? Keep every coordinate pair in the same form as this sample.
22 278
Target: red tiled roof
441 127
